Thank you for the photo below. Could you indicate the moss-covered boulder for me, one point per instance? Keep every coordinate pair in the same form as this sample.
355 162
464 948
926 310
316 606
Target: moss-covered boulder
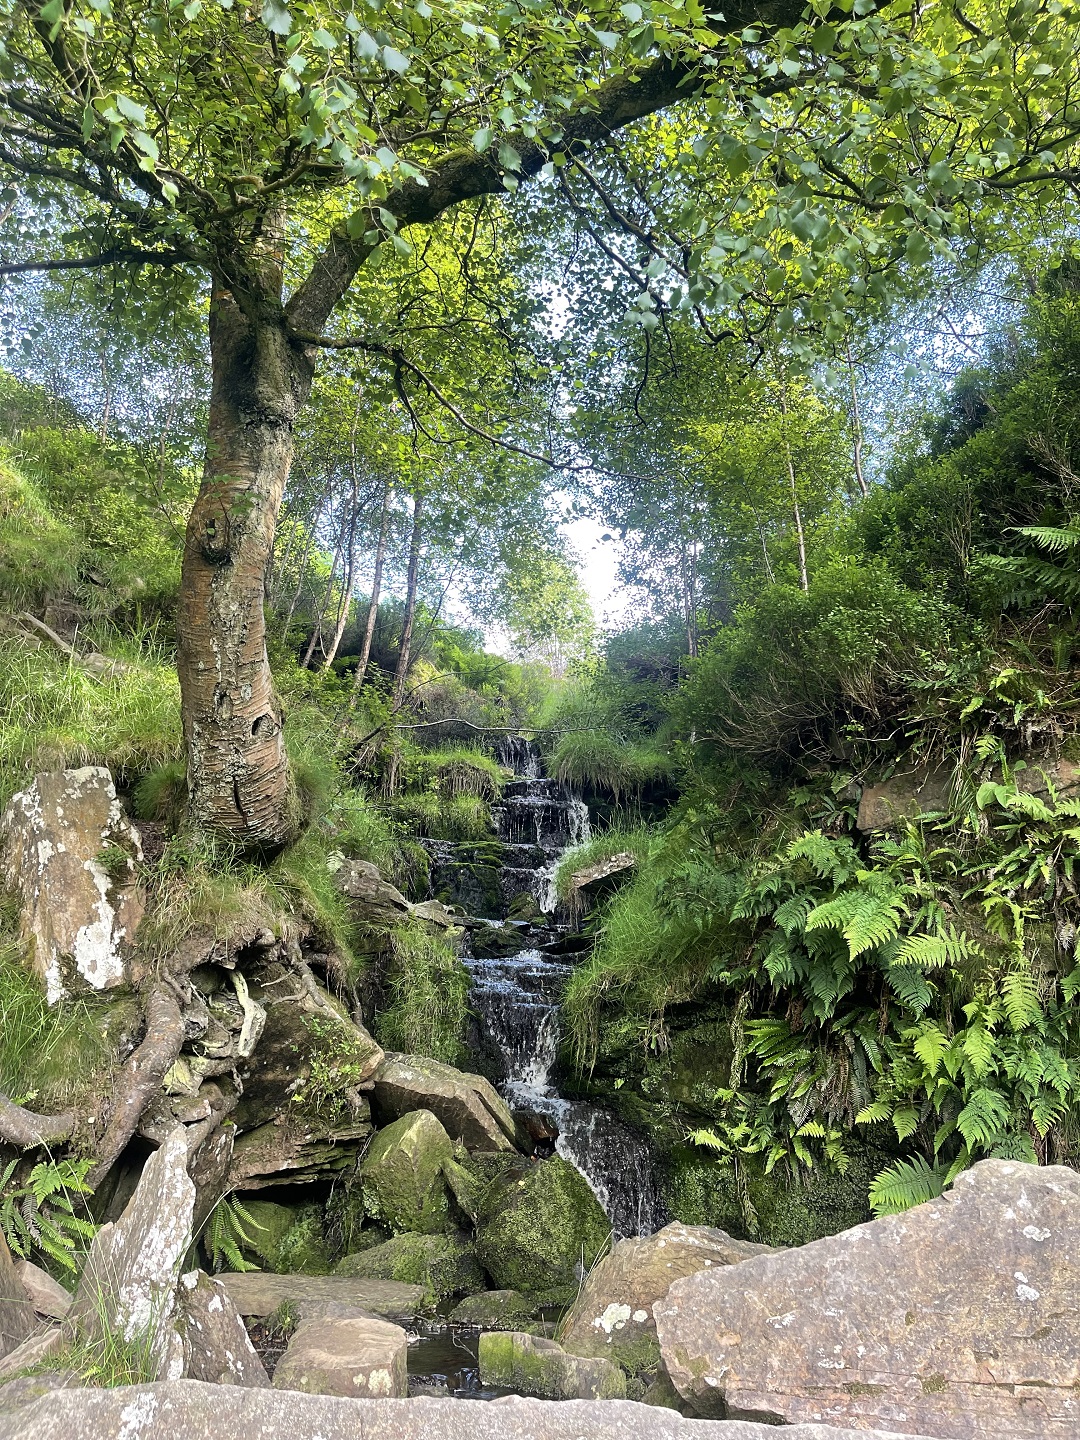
540 1227
443 1264
402 1179
496 1310
287 1239
533 1365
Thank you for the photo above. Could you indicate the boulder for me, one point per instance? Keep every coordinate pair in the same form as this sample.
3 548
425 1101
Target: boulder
532 1365
960 1318
495 1310
45 1342
589 883
364 1359
128 1284
296 1149
257 1294
18 1317
187 1410
613 1314
917 791
215 1339
540 1227
46 1295
468 1106
493 942
70 856
443 1264
401 1175
375 903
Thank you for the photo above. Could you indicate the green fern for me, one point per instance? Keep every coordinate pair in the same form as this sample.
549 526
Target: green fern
906 1183
47 1213
227 1232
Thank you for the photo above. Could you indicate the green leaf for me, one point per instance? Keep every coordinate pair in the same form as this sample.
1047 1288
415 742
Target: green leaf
276 17
394 60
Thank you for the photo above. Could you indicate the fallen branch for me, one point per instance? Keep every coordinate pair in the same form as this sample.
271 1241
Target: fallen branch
141 1077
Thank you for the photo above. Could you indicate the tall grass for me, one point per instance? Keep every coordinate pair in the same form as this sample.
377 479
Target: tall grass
54 715
428 991
601 761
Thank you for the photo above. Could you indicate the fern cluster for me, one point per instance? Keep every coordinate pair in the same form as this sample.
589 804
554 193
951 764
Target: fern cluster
46 1213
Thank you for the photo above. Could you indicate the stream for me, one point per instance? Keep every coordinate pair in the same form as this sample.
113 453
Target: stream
516 1001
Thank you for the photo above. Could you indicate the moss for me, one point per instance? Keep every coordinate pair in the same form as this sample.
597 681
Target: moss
496 1310
532 1365
402 1178
289 1240
541 1227
443 1264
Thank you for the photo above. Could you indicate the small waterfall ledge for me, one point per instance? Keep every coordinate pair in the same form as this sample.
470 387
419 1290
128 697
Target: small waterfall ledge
516 1001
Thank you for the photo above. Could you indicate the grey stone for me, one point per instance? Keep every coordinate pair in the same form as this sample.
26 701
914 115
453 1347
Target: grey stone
495 1310
959 1318
918 791
18 1318
257 1294
46 1295
128 1285
375 902
79 910
613 1314
44 1342
216 1344
443 1264
533 1365
402 1175
188 1410
365 1359
468 1106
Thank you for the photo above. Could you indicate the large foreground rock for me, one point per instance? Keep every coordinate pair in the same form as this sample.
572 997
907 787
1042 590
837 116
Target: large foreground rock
469 1107
540 1227
18 1317
960 1318
186 1410
402 1175
257 1294
533 1365
346 1355
613 1315
215 1340
70 856
128 1285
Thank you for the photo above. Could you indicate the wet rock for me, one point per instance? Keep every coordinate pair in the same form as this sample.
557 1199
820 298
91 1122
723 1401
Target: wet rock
918 791
365 1359
443 1264
257 1294
215 1340
589 883
70 856
492 942
613 1315
958 1318
295 1149
402 1176
128 1284
533 1365
187 1410
495 1310
540 1227
468 1106
46 1295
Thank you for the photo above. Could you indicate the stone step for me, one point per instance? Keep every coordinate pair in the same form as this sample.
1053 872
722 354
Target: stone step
190 1410
257 1293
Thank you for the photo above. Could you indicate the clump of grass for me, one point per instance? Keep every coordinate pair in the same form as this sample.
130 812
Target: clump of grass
460 817
599 760
49 1054
428 989
53 715
37 551
161 793
452 773
604 846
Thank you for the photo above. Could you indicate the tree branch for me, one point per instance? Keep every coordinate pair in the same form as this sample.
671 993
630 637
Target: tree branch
107 257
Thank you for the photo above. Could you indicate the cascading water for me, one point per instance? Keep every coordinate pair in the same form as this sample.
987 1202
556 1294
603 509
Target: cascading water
516 1000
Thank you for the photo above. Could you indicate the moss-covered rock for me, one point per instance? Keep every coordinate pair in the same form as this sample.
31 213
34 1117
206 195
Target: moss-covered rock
496 1310
540 1227
401 1176
288 1239
526 907
533 1365
443 1264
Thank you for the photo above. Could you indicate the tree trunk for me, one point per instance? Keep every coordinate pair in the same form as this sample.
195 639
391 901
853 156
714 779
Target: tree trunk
402 671
856 427
237 770
376 587
804 578
345 603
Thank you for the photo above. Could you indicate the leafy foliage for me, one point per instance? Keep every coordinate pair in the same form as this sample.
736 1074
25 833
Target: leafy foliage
45 1213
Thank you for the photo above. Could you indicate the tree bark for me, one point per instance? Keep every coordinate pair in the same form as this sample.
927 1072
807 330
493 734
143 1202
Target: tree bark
345 602
238 774
856 427
402 672
804 577
376 587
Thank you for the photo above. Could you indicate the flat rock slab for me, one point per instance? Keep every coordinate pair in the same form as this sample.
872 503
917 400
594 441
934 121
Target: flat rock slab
470 1108
958 1319
188 1410
364 1359
257 1294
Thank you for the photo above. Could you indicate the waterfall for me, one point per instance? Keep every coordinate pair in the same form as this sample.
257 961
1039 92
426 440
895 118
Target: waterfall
516 1000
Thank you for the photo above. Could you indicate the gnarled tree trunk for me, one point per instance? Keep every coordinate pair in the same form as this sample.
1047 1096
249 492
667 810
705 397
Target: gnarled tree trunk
238 774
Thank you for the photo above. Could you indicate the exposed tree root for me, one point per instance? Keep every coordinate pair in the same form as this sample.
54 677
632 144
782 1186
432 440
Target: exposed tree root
24 1129
141 1077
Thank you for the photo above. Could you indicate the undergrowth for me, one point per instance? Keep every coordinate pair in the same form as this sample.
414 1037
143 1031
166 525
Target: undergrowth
427 994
